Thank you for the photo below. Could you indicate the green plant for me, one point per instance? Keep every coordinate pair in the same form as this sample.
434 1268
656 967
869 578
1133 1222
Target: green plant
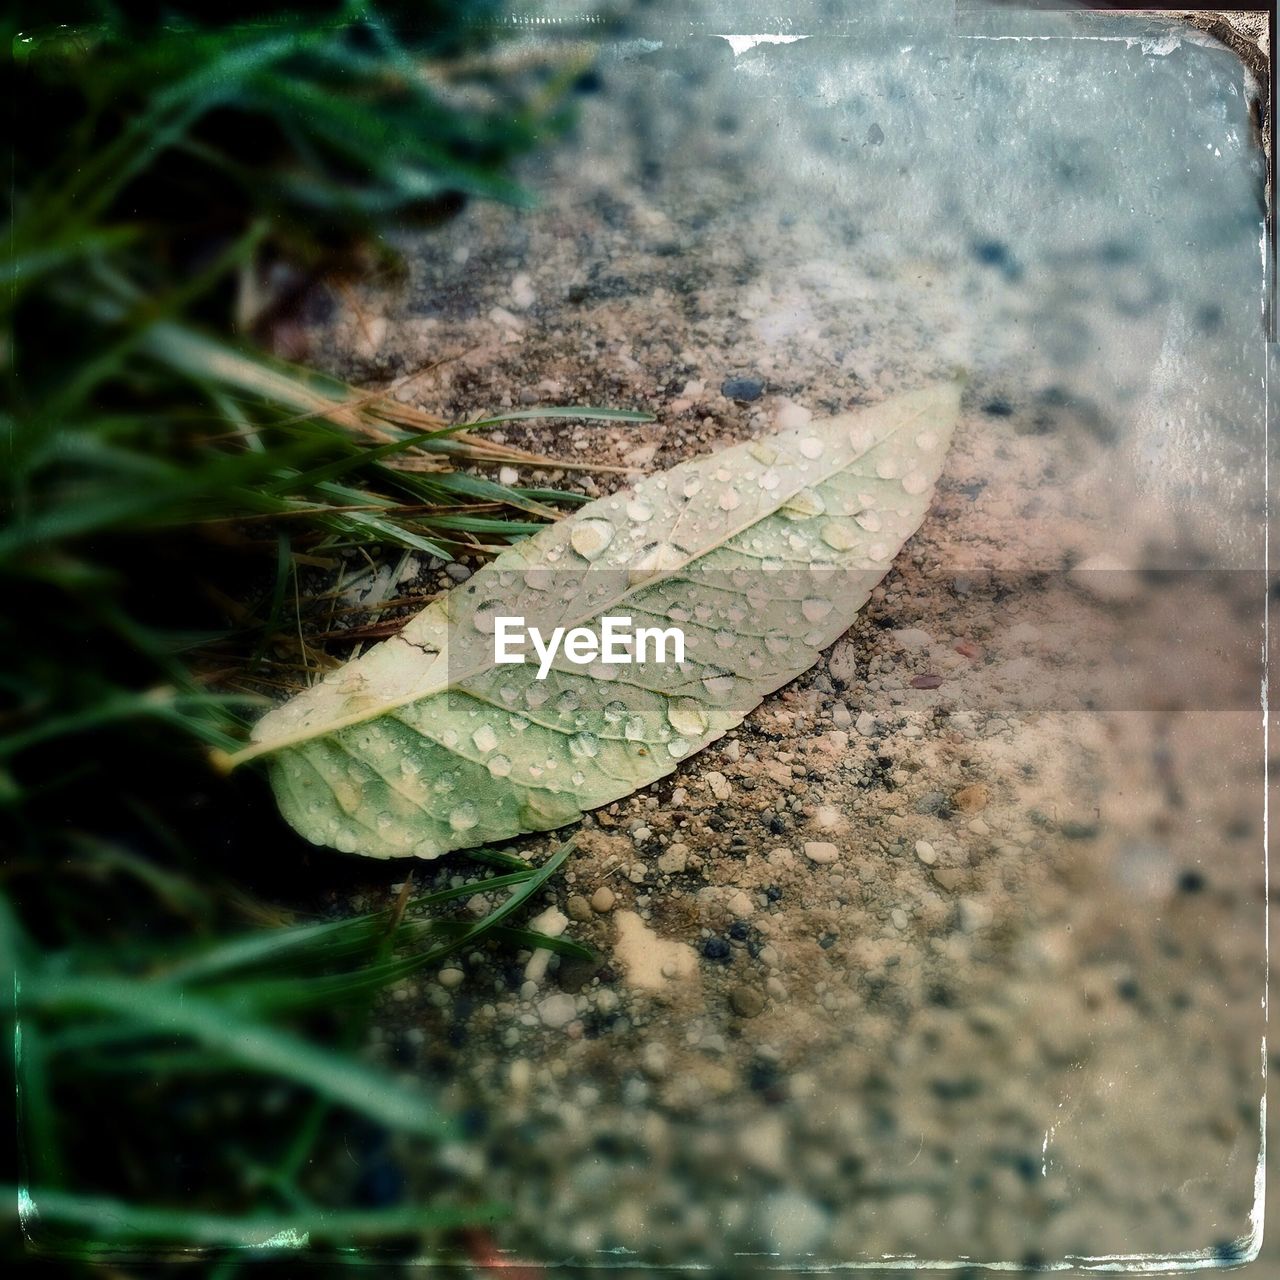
236 1029
177 506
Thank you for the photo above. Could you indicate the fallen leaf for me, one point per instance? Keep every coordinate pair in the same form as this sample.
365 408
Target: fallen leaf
760 554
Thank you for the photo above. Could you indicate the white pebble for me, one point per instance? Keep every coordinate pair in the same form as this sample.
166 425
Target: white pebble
522 294
820 851
557 1011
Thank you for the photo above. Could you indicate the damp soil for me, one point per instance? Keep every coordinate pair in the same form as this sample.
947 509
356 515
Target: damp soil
954 947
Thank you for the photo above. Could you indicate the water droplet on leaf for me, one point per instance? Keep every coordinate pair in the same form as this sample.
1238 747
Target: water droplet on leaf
687 716
590 537
464 816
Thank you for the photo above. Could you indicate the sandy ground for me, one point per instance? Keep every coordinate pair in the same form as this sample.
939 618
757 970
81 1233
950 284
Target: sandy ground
972 970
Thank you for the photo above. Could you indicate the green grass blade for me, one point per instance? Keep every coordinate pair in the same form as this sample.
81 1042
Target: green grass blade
106 1221
258 1048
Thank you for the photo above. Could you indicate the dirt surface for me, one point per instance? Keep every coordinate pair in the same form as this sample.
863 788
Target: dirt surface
965 966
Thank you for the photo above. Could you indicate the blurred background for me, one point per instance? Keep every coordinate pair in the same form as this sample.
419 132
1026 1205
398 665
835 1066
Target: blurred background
310 313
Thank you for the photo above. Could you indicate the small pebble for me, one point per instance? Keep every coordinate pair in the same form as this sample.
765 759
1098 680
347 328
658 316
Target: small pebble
603 899
578 908
450 978
458 572
926 681
820 851
974 915
746 1002
926 852
718 784
827 817
745 389
522 295
557 1011
655 1061
674 860
1106 579
1079 830
899 918
911 638
865 724
791 415
553 922
931 802
971 799
792 1225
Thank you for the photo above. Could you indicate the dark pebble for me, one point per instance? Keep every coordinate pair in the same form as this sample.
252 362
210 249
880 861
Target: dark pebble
773 893
1116 253
1127 989
738 930
745 389
766 1077
827 941
957 1090
875 135
927 681
1209 318
998 408
931 802
1191 882
1079 830
715 949
991 253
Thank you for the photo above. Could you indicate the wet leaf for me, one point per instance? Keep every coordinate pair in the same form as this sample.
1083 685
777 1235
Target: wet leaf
760 555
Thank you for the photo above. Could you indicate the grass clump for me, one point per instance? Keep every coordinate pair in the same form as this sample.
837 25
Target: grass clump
188 1014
